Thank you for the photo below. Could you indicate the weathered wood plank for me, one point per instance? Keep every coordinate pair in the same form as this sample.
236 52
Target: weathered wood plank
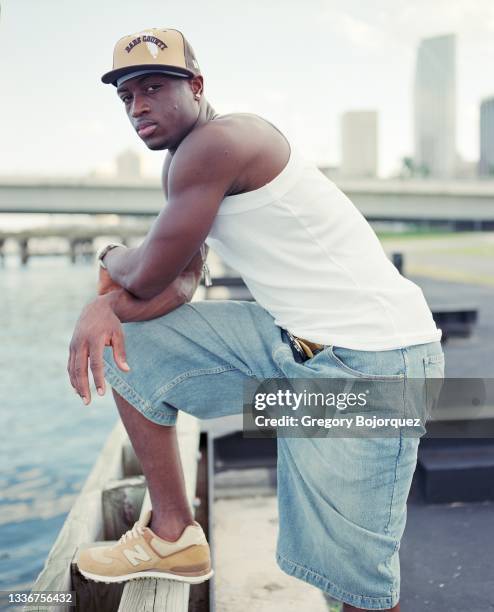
92 596
201 596
171 596
122 502
167 595
153 595
85 520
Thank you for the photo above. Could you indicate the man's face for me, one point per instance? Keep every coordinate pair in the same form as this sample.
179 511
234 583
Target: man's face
161 108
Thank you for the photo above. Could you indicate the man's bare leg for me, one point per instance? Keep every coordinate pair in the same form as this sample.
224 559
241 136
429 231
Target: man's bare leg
156 447
349 608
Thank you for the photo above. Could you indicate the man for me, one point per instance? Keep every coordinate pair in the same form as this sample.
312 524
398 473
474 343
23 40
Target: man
329 304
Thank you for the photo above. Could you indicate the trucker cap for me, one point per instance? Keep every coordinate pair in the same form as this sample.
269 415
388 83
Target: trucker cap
154 50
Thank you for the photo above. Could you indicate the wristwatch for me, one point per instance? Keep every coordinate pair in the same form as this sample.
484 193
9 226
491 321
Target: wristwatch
104 250
206 275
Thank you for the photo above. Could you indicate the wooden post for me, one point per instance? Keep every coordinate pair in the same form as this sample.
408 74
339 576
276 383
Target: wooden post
87 250
152 595
24 249
122 501
397 259
91 599
73 250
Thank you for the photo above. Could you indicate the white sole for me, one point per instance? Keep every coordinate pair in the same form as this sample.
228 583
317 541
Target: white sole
147 574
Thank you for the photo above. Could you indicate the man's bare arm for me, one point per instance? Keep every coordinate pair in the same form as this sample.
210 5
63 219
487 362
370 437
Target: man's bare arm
100 325
202 171
129 308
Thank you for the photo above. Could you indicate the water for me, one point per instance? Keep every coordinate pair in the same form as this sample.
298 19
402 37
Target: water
48 439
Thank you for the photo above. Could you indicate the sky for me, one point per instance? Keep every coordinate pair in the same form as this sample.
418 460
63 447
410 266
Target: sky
300 65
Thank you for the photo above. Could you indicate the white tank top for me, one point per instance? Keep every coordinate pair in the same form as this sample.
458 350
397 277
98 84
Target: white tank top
310 259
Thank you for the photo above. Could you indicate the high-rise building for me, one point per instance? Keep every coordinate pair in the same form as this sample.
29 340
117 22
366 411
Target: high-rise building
435 107
359 144
486 162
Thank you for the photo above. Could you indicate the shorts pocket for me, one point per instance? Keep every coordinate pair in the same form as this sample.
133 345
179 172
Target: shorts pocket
434 366
369 364
434 378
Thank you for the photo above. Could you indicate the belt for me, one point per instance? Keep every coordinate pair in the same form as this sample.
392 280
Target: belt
310 348
306 346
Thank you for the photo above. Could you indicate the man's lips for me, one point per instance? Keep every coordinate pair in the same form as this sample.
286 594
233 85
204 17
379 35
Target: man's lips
146 129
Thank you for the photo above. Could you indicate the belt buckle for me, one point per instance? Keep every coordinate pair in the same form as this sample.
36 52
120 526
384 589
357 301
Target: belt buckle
296 344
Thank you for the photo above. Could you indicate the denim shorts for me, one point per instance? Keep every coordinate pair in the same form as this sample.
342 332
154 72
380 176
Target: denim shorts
341 501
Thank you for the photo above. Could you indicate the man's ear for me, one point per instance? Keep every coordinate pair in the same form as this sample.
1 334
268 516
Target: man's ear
197 84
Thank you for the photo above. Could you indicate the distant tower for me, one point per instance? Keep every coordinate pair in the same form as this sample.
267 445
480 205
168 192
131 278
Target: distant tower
486 163
435 107
128 165
359 144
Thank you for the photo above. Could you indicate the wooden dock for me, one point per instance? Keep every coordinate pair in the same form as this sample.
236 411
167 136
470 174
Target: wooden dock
112 499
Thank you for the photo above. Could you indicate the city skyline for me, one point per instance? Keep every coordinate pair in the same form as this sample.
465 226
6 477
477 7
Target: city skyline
326 60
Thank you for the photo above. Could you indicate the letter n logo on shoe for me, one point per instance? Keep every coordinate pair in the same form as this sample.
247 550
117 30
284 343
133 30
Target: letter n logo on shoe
136 555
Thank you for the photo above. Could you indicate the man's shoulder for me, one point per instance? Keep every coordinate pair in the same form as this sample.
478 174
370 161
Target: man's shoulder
223 147
240 120
237 130
226 140
212 153
212 136
242 133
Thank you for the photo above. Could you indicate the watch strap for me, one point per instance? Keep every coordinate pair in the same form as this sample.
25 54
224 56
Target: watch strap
104 250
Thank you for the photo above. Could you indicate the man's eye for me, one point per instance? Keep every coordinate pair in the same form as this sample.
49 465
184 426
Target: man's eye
125 99
152 88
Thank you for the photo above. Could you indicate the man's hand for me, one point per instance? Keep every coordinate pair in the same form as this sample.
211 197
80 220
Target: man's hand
97 327
106 283
100 324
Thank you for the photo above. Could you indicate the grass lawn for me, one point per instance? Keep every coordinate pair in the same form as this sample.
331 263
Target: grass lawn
482 250
413 234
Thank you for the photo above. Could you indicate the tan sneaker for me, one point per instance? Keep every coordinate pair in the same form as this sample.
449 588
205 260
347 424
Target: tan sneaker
142 554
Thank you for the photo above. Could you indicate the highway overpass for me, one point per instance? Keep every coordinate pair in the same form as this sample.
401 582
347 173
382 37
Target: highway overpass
466 203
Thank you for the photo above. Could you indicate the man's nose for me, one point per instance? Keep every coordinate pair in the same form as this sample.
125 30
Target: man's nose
139 106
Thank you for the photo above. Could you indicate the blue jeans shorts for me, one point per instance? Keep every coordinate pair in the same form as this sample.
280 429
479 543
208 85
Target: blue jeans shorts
341 501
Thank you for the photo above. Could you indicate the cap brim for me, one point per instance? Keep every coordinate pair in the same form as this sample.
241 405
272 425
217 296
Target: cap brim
113 75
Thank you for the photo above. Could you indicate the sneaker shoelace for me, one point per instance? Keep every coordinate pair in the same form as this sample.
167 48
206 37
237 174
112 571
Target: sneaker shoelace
136 531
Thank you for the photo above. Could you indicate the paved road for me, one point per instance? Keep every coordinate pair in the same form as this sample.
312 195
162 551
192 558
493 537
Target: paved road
446 556
466 357
467 258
